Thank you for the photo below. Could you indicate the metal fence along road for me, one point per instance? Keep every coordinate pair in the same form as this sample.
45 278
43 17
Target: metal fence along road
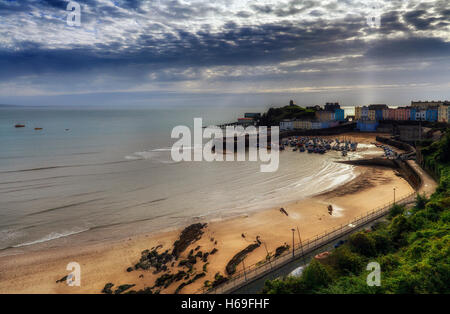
256 271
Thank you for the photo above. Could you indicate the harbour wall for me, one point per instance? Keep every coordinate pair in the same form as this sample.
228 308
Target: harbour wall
400 145
405 170
344 128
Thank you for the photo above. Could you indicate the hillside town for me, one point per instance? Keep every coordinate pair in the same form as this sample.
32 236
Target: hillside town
367 118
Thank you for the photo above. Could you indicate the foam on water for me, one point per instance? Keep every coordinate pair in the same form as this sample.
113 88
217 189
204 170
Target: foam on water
53 236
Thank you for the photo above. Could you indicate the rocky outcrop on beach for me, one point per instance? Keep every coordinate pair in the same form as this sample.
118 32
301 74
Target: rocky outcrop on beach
239 257
188 236
165 262
281 249
153 259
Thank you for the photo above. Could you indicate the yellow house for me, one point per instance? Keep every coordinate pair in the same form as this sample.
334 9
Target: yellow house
372 115
358 113
443 113
302 124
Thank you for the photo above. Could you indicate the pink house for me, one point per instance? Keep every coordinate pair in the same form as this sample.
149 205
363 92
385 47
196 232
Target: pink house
402 114
391 114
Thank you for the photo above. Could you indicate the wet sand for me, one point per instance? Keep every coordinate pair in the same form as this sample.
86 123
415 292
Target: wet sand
101 263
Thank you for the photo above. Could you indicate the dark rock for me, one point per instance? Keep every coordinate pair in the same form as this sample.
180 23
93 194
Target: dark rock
129 269
239 257
123 288
214 251
218 280
107 288
184 284
164 280
181 286
188 236
281 249
180 275
145 291
153 259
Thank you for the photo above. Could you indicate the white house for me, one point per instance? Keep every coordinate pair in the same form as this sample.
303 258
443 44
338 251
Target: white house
316 125
286 125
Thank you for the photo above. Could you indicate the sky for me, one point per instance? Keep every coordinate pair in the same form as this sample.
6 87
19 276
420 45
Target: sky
224 52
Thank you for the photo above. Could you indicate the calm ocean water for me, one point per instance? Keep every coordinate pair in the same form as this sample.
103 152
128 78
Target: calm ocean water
96 174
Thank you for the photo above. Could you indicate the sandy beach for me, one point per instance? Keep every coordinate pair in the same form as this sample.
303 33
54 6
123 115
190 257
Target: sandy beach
101 263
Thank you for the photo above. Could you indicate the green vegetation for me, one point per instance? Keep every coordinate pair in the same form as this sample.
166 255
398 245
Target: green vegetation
274 115
412 246
436 155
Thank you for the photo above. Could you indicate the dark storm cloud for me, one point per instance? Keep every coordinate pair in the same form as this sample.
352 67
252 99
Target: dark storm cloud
166 53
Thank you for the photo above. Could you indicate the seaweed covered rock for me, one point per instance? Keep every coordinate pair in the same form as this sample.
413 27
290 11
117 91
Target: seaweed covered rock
281 249
107 288
145 291
123 288
218 280
184 284
165 280
231 266
188 236
154 259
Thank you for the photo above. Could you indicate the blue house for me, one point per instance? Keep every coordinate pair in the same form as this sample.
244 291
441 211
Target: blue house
367 126
432 115
379 114
413 114
339 115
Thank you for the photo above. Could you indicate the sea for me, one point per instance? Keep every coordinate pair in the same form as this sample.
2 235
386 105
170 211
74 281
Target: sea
96 174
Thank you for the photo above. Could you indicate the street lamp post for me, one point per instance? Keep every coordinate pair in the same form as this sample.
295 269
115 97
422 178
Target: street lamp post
293 243
243 266
268 256
394 196
301 244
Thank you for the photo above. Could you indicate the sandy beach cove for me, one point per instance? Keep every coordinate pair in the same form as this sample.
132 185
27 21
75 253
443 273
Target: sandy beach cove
212 245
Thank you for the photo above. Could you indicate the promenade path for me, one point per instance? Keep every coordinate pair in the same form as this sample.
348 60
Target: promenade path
428 185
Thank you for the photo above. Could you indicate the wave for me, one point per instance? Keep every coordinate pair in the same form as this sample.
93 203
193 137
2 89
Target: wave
65 206
52 236
63 166
158 155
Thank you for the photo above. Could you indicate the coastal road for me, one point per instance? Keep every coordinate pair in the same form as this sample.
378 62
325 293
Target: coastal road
428 185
